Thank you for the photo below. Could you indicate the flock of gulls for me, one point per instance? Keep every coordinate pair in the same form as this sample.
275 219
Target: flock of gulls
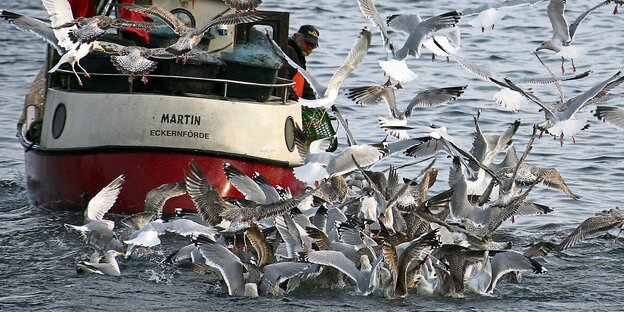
355 227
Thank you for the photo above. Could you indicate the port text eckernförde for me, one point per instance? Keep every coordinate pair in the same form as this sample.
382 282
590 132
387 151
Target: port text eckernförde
179 133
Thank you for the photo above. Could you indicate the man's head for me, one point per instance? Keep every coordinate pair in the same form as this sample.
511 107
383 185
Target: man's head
307 39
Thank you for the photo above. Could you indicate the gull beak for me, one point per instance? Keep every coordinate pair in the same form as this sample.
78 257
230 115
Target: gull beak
121 254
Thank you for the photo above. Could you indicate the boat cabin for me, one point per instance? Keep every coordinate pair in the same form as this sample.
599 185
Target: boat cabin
226 104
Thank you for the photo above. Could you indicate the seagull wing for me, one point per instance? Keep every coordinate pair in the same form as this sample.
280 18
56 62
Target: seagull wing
33 25
509 84
233 19
241 5
207 200
370 12
266 187
102 202
424 30
228 264
612 115
473 68
317 87
354 58
434 97
373 95
244 184
555 10
509 261
574 26
586 96
260 244
60 13
336 260
171 20
365 155
403 22
155 199
588 227
187 227
552 178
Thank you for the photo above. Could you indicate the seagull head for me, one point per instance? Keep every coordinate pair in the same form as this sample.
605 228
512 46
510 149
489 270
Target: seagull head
547 45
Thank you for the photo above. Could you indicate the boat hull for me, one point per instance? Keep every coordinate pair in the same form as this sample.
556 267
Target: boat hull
67 180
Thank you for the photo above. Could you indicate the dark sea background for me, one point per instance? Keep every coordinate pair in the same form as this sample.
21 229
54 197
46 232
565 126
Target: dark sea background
38 256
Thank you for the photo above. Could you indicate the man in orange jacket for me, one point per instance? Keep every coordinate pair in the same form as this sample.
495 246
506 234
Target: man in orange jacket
300 45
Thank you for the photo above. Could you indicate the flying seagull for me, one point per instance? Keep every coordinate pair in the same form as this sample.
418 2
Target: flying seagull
190 36
563 34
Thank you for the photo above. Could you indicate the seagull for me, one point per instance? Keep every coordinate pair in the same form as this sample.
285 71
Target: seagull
450 42
563 35
228 264
60 13
319 164
397 125
133 60
243 5
506 97
365 279
277 273
529 174
484 281
491 13
368 9
96 229
254 189
91 28
617 2
564 123
70 52
109 267
154 202
148 235
601 222
612 115
190 36
326 96
401 263
418 30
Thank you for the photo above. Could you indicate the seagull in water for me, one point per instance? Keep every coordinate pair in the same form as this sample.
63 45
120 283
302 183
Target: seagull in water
108 267
563 35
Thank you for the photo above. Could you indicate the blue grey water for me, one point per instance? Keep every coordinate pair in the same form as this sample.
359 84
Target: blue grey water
38 257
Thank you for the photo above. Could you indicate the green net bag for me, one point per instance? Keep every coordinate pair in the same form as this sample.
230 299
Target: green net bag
317 123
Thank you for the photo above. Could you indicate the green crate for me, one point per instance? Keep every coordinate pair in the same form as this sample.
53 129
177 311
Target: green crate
319 130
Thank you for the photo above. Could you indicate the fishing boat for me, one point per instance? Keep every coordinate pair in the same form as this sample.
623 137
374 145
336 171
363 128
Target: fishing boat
213 109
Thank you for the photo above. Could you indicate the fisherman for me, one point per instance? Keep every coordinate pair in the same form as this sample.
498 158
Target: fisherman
300 45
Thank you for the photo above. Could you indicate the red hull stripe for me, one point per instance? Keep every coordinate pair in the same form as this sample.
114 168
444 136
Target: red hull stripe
68 181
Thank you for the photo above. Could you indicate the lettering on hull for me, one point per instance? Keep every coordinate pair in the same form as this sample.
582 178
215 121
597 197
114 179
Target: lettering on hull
179 134
181 119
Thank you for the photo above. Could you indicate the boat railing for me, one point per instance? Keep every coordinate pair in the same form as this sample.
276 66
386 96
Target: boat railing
281 85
